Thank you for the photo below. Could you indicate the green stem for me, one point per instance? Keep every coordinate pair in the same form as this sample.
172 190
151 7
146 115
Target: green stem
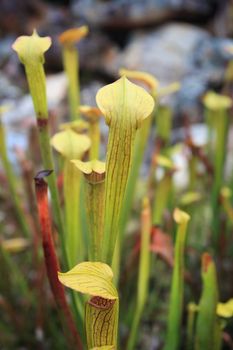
162 192
74 239
192 308
139 150
163 123
95 211
206 319
119 155
94 133
220 127
71 66
134 329
177 291
144 272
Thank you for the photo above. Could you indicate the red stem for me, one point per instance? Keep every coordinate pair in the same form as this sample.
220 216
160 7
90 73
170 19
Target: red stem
51 261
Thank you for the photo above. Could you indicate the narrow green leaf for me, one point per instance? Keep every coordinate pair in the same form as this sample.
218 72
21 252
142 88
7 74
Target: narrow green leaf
125 106
144 272
30 50
94 173
206 319
68 39
72 145
177 288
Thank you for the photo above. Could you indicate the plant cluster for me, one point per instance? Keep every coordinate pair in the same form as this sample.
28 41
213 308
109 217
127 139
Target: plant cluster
128 247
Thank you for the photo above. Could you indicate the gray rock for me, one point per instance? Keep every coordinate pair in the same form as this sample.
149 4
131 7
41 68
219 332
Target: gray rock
8 90
176 52
137 13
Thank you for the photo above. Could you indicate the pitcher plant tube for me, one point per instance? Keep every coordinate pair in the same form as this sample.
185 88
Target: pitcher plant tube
72 145
69 39
101 318
124 106
94 173
30 50
177 287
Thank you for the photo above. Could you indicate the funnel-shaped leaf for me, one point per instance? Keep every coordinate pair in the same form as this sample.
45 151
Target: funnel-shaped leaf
101 317
80 126
72 36
92 169
70 144
92 113
94 173
216 102
124 102
68 39
31 49
124 105
93 278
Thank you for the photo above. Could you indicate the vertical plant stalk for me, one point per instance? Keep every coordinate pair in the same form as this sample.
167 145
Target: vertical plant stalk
74 241
68 39
140 144
139 150
72 145
220 125
162 192
71 67
177 287
206 319
163 119
125 106
144 272
30 50
217 112
93 115
101 319
94 173
225 200
192 309
12 183
51 262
